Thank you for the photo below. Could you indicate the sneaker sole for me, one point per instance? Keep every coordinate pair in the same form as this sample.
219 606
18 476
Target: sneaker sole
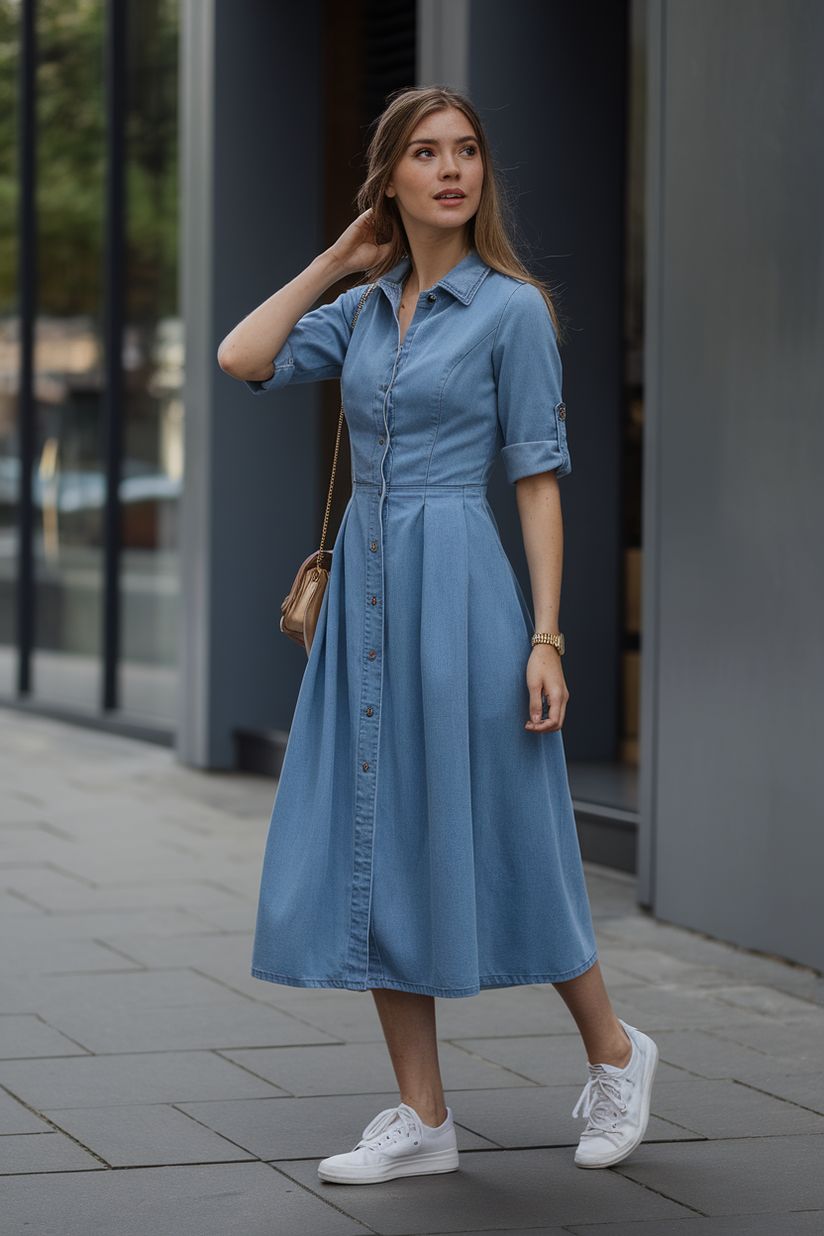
626 1151
421 1165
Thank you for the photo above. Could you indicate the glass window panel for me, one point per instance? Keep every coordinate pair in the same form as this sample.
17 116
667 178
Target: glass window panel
9 348
153 363
69 482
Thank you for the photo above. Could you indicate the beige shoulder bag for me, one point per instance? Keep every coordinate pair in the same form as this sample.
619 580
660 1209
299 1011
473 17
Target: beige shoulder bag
300 610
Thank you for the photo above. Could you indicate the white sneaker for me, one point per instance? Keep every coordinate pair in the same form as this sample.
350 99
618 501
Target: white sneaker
396 1143
615 1103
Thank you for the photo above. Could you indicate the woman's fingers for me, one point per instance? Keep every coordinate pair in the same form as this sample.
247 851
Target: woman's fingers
536 703
356 248
545 681
556 710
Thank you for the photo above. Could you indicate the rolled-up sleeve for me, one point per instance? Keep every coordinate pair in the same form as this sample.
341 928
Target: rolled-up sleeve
316 346
527 371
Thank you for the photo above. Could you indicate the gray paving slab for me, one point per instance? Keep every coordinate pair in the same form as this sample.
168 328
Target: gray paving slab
361 1068
670 1006
807 1223
227 916
41 1153
789 1009
234 1022
17 811
507 1010
134 897
797 1045
708 1055
495 1189
805 1089
14 906
717 1109
549 1060
649 965
223 952
540 1116
101 924
56 956
223 956
145 1135
611 892
15 1118
36 841
132 989
755 1175
153 1077
620 983
302 1128
741 965
250 1199
38 881
24 1035
343 1015
521 1231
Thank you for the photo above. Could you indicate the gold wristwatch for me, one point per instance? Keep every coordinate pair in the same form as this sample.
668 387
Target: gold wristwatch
557 641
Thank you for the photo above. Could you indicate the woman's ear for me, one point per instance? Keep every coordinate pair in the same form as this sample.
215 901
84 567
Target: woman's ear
390 190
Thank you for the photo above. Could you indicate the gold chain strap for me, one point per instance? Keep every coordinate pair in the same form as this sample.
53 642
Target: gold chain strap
337 448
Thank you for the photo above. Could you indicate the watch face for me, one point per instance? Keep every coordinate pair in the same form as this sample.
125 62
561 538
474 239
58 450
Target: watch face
561 645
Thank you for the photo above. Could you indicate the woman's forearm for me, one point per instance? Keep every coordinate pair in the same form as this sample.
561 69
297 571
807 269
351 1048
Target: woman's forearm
539 506
248 350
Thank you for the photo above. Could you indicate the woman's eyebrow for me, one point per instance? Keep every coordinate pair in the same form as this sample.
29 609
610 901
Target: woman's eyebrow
433 141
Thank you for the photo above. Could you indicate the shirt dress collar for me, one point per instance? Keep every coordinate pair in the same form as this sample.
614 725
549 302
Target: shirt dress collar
462 281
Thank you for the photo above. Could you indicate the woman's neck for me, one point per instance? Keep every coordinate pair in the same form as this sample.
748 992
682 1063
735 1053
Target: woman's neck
433 256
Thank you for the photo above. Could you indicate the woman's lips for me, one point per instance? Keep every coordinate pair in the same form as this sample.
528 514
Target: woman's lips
450 198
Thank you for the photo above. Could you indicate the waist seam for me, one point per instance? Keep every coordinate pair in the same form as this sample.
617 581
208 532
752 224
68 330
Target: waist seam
373 485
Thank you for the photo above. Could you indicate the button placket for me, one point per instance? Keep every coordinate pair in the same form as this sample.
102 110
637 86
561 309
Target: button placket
367 749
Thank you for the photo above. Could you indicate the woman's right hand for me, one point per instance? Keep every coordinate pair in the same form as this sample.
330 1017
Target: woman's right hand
356 248
247 351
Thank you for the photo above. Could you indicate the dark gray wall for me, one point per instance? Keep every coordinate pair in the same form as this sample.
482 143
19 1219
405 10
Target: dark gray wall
550 80
251 219
734 588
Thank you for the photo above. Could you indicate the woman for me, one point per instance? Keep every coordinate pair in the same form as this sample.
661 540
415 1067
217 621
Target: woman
422 841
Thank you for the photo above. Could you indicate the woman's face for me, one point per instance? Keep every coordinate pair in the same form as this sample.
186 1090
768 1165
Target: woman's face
438 179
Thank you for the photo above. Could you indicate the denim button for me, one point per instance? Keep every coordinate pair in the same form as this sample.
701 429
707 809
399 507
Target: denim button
366 768
431 297
380 440
562 412
374 547
374 600
372 655
369 712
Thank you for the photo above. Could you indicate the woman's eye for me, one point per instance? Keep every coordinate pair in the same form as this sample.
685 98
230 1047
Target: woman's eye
470 150
423 151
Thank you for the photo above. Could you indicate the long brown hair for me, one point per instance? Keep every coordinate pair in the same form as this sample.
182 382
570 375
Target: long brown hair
488 229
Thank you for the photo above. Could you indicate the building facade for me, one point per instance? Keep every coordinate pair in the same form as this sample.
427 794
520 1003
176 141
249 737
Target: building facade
666 177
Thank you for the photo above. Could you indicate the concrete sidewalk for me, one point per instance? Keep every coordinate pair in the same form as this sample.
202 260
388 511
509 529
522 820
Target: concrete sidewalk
150 1086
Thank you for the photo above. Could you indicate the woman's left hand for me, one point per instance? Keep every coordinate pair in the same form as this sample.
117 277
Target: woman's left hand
544 676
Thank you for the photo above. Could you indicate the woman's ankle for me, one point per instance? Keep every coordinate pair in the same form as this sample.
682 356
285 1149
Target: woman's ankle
430 1112
616 1052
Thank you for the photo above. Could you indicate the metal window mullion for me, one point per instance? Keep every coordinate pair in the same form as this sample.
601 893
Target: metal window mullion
113 319
27 291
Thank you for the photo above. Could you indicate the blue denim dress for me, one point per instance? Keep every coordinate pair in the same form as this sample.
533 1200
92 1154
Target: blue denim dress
421 838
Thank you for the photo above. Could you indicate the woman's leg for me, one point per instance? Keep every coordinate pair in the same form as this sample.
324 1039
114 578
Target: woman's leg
604 1037
408 1022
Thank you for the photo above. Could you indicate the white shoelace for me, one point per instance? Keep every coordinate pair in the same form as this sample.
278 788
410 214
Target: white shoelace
390 1126
602 1104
